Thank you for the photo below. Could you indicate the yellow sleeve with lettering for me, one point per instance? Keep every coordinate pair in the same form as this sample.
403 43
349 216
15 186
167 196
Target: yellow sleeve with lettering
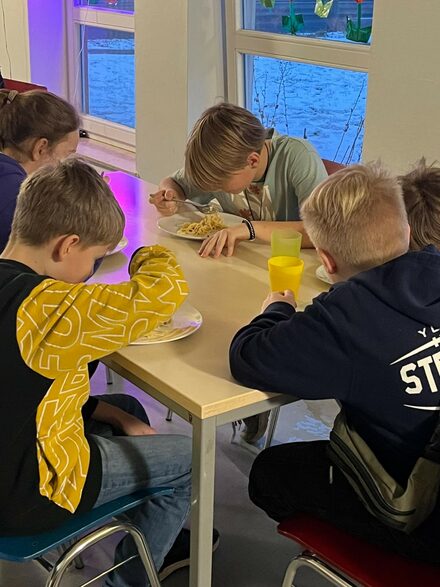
61 327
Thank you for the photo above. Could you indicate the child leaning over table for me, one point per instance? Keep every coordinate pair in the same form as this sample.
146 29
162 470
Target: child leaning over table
63 451
254 173
350 344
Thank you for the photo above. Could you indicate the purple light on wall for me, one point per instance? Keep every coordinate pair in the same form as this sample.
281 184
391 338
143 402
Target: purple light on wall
47 45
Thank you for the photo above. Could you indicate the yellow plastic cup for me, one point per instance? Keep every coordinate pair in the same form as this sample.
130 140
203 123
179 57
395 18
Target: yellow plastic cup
286 242
285 273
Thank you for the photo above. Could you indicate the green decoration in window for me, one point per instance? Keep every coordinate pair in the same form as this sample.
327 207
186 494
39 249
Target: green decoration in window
355 32
268 3
322 9
294 22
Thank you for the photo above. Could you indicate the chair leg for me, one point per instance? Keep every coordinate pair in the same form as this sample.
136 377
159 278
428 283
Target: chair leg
57 573
307 559
169 416
78 562
109 375
291 572
273 419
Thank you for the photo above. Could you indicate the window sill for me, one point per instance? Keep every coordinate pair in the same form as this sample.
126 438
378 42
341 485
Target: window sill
106 156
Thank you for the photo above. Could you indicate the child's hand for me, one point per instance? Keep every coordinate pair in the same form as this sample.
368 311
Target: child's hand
224 239
121 420
132 426
286 296
163 200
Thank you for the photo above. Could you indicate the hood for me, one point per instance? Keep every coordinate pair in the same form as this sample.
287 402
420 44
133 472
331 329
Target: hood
409 284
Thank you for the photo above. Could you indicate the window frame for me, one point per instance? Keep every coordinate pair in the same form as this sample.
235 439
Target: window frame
77 16
241 41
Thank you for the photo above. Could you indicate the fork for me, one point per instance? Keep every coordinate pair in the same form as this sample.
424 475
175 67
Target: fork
203 208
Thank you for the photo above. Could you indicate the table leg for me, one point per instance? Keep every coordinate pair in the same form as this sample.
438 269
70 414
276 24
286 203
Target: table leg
202 509
273 419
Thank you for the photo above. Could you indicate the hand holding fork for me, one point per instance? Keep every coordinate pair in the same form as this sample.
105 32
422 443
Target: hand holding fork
167 201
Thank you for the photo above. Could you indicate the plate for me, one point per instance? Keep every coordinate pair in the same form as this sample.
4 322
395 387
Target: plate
184 322
171 224
322 274
121 245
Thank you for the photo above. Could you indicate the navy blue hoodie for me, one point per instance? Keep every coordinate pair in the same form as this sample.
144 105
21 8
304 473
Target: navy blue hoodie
372 342
12 175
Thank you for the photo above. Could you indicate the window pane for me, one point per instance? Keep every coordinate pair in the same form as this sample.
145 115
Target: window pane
299 18
121 5
108 74
324 105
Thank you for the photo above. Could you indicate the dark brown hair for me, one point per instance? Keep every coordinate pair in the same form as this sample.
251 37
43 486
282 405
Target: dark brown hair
421 193
68 198
28 116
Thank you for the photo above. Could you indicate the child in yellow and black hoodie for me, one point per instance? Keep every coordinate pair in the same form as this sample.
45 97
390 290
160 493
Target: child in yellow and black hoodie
53 325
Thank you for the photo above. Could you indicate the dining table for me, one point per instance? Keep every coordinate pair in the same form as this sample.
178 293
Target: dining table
191 375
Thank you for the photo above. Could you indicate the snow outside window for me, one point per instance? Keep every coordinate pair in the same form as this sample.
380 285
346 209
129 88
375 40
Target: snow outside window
298 72
108 75
102 68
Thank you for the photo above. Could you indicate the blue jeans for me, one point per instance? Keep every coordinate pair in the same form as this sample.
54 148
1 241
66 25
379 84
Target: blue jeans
130 463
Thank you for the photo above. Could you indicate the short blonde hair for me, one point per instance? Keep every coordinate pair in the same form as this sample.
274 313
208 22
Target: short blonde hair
357 214
421 193
219 145
69 198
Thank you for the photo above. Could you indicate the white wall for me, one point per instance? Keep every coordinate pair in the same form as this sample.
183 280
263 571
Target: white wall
403 110
206 75
47 42
14 47
179 73
35 41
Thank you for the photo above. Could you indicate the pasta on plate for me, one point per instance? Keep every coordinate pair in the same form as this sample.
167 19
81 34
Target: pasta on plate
208 224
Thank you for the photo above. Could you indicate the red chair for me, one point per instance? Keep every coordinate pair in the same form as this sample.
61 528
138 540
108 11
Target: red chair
12 84
332 166
345 560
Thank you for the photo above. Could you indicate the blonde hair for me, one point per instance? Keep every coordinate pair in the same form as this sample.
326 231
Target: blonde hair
357 214
220 143
421 193
69 198
28 116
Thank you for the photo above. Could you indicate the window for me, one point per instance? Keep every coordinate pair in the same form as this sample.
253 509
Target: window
102 68
299 72
120 5
108 74
316 19
324 105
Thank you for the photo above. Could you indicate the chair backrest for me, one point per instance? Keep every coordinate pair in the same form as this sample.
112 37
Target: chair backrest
367 564
24 548
332 166
12 84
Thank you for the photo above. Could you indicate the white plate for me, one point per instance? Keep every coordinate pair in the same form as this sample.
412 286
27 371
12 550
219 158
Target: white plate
121 245
184 322
171 224
322 274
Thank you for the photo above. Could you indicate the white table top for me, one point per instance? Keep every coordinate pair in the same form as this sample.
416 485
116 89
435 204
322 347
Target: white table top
194 372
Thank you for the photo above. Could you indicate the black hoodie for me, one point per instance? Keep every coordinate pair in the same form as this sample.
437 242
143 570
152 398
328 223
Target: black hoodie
372 342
